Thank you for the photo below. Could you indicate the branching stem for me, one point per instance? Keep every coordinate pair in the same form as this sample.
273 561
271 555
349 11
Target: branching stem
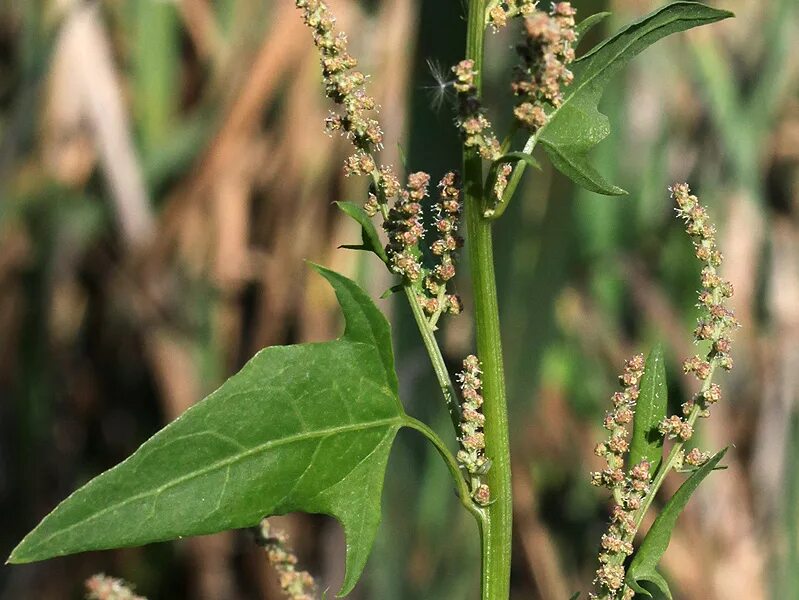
436 359
460 482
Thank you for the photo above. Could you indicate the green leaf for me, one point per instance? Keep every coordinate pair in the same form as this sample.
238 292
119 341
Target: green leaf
653 577
588 23
575 596
650 410
402 156
577 126
299 428
644 564
371 241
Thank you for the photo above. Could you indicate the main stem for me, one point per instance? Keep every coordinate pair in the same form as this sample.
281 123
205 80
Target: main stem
497 527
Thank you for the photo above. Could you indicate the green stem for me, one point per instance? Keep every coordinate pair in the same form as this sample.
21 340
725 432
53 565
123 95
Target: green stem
454 469
497 527
515 178
671 459
436 359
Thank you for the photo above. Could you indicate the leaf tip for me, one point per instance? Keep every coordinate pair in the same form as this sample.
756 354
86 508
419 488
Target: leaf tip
318 268
18 555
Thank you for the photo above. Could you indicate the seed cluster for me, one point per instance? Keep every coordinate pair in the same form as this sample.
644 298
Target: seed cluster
715 324
474 126
472 453
296 585
547 50
628 487
501 12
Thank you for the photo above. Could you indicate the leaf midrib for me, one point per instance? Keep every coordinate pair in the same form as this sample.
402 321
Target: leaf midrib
319 433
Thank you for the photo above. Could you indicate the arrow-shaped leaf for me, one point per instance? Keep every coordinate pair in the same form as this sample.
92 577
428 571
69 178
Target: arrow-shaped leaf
650 410
299 428
644 564
577 126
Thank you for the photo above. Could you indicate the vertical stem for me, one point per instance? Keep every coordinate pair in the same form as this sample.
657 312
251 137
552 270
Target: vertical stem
496 530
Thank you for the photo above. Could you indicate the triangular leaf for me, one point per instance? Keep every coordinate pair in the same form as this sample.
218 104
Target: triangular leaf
299 428
577 126
573 163
644 564
650 410
371 241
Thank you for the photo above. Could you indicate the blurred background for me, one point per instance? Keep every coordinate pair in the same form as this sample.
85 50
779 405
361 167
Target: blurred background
164 175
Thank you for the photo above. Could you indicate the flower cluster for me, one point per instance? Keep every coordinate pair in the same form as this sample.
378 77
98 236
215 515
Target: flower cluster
474 126
296 585
472 453
547 50
499 14
501 182
102 587
344 85
401 208
436 300
404 225
631 488
714 325
616 422
628 487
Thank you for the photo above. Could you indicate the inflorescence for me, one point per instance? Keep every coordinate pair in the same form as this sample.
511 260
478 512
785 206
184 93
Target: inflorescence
296 584
444 249
343 84
402 208
472 456
405 229
714 326
472 122
501 12
546 52
630 488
